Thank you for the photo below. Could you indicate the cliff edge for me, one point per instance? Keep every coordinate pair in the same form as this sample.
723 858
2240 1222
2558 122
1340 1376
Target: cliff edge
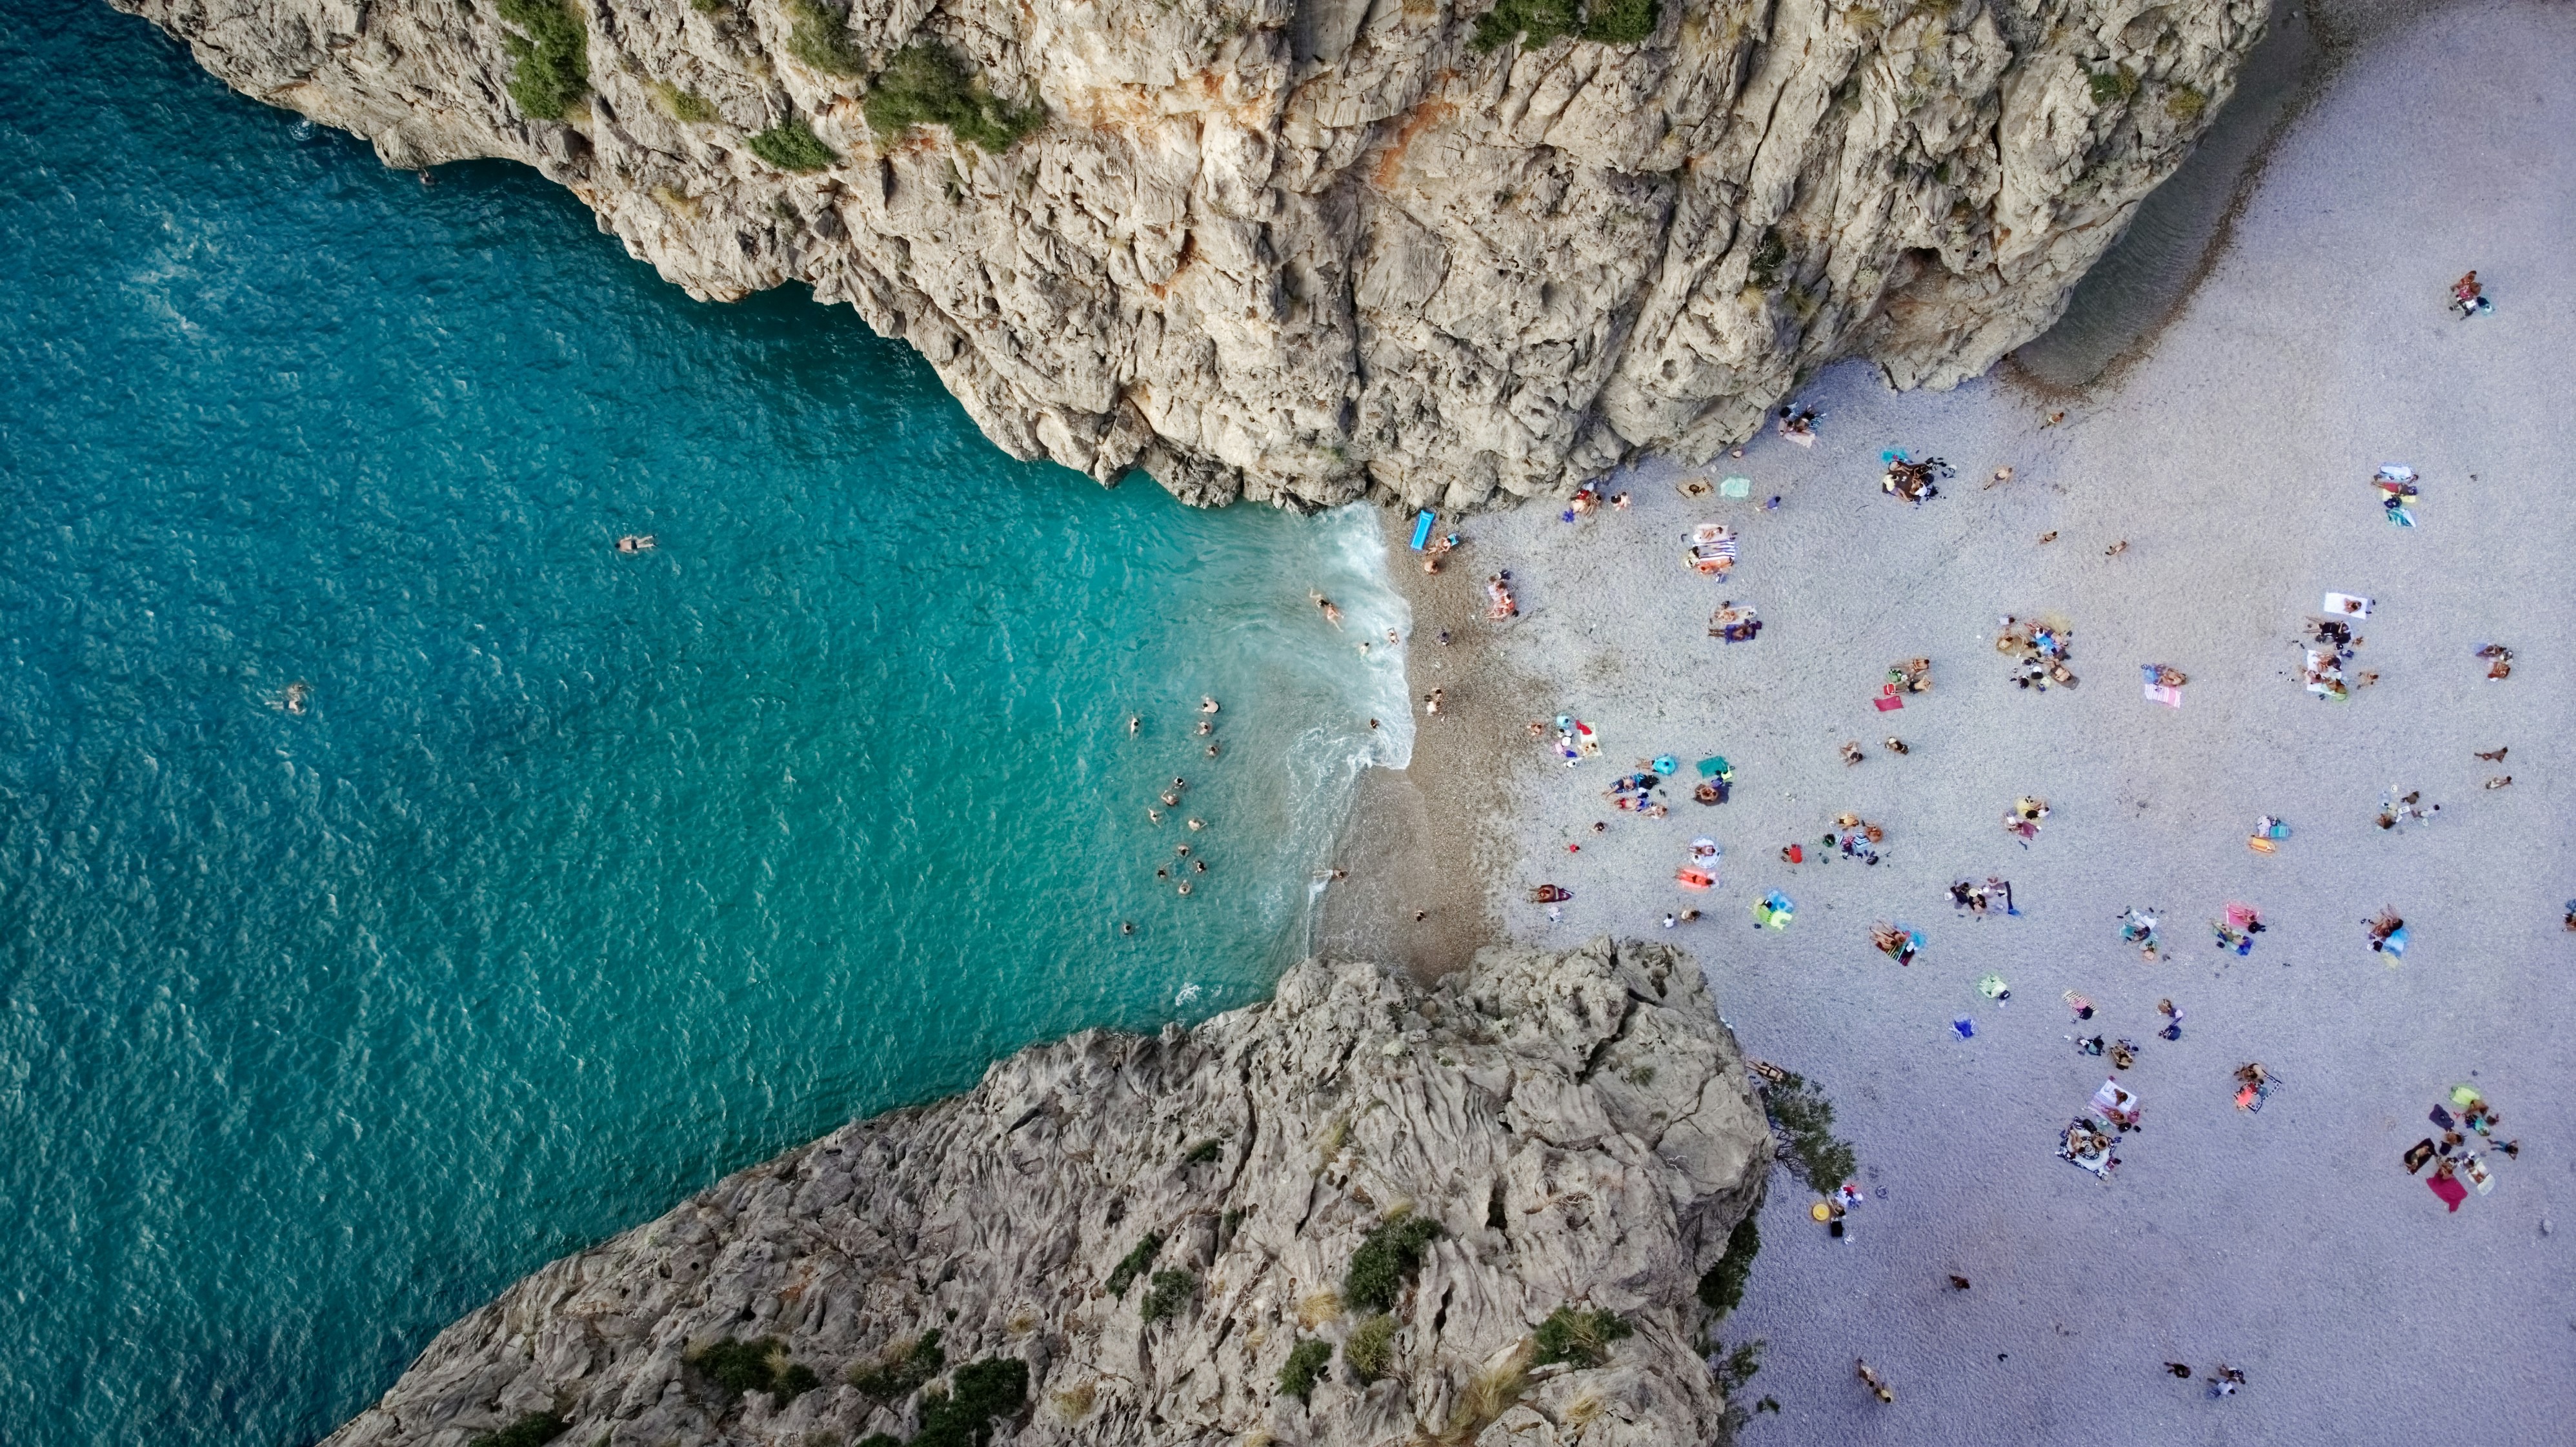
1312 250
1123 1239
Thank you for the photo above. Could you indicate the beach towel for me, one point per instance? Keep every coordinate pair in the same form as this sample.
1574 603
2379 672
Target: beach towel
2478 1174
2442 1118
2395 945
1735 487
2165 694
2395 472
1803 439
1422 530
2464 1096
2451 1191
2401 517
1694 487
2347 605
1774 911
1966 1027
1888 703
1715 766
1689 878
2417 1154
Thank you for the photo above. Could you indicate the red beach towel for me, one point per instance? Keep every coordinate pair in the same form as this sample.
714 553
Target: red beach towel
2451 1191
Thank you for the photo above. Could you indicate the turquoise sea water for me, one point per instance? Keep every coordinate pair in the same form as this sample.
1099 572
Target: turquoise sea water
584 878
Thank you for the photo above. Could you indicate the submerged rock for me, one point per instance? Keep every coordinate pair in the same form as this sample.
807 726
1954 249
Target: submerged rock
1576 1126
1309 250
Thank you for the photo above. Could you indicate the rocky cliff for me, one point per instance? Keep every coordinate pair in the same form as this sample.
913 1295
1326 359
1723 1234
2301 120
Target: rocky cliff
1151 1226
1309 250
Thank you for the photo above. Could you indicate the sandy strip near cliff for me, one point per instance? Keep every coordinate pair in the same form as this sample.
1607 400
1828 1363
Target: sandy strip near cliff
2234 462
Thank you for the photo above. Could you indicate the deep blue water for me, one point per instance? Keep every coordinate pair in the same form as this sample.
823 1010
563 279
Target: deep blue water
583 878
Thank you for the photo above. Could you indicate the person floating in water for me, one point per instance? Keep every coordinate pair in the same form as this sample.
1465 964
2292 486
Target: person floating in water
1332 614
636 543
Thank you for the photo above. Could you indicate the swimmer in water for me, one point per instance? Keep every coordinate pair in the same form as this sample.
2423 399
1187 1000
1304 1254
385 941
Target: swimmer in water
1199 865
1197 824
1153 813
635 543
1126 926
298 697
1179 783
1332 614
1391 636
1134 722
1211 750
1185 886
1207 705
1206 728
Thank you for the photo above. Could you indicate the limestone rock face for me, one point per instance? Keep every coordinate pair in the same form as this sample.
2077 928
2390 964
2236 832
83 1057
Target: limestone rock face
1579 1126
1310 250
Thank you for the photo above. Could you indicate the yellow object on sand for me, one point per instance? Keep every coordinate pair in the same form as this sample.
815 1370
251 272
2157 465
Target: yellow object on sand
2261 845
1821 1211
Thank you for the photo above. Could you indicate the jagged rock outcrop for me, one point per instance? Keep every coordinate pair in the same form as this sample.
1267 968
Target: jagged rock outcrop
1307 250
1578 1125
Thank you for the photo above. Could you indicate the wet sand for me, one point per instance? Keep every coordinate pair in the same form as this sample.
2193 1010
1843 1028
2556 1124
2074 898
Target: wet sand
2234 461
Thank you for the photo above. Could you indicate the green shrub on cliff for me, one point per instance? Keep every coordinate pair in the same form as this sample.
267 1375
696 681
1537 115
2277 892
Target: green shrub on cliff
1306 1363
1133 1264
737 1367
980 1394
1579 1338
1169 1296
901 1373
1391 1253
1534 23
533 1430
927 84
550 56
1620 22
791 145
820 37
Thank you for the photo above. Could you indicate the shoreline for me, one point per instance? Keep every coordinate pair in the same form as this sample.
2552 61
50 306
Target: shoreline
1419 838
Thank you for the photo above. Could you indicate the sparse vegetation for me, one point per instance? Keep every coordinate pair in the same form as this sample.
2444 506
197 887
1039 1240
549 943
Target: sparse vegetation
1534 23
550 56
791 145
1391 1253
1307 1362
1170 1295
1768 258
1487 1396
1722 1289
901 1373
536 1429
682 105
1133 1264
1370 1352
1579 1338
1803 1115
820 36
2185 104
981 1393
1204 1152
736 1367
927 84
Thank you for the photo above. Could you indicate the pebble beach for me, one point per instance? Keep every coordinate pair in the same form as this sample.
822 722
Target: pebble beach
2191 511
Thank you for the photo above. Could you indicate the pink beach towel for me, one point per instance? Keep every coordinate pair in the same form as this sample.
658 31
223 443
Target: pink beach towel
2451 1191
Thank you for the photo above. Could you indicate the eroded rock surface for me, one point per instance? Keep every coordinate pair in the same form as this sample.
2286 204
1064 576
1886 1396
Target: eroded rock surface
1309 250
1577 1124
